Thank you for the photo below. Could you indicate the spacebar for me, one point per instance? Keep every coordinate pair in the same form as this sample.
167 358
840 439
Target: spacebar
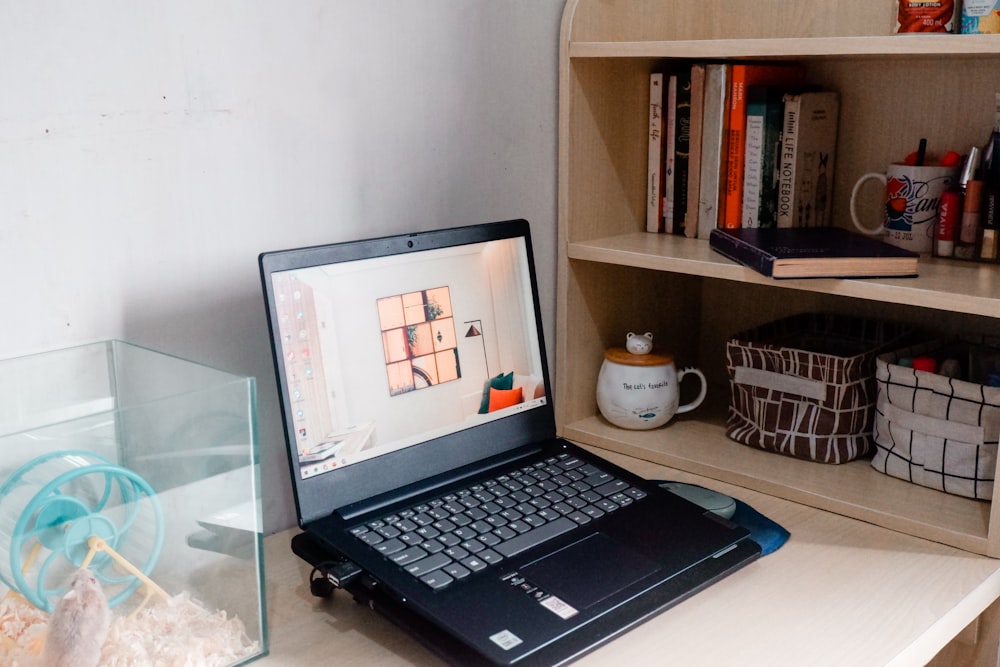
547 531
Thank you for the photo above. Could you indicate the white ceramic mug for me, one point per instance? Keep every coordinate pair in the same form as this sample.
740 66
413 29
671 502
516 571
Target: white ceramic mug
641 391
912 197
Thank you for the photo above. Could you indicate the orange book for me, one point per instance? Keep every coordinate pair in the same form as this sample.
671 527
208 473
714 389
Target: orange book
741 77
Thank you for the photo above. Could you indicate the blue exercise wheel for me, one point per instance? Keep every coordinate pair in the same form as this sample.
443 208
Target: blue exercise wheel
53 507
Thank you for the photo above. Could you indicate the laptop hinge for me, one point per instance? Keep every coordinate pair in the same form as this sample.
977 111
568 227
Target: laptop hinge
431 484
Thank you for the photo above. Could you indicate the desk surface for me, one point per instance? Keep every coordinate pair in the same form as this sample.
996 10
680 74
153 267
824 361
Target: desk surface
839 592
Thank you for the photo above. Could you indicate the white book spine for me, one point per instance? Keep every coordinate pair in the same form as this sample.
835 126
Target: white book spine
713 126
808 152
694 159
786 175
752 164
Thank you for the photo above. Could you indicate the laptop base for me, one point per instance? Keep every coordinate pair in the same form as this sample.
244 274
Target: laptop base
559 652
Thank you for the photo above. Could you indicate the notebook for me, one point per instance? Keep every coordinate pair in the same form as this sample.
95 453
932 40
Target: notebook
425 463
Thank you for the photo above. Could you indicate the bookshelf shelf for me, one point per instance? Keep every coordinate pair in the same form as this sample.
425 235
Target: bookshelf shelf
802 47
614 277
949 285
700 446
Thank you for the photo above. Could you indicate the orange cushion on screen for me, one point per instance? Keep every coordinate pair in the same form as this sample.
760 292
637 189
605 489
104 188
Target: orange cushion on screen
504 398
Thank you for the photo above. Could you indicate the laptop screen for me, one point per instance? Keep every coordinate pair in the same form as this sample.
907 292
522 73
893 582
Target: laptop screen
388 350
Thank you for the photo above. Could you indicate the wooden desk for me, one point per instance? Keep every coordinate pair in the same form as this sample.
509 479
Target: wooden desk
839 592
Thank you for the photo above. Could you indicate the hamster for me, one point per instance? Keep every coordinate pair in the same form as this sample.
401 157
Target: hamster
78 625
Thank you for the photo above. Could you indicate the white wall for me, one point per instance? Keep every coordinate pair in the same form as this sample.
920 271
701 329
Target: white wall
149 150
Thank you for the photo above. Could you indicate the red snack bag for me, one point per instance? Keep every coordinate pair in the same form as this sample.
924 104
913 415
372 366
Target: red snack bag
925 15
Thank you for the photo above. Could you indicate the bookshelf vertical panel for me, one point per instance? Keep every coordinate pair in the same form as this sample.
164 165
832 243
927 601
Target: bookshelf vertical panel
731 307
888 105
607 151
574 368
606 302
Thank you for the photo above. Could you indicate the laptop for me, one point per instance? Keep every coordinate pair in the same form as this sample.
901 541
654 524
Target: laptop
429 481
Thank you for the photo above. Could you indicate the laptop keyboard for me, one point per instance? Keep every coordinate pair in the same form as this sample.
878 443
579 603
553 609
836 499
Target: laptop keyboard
449 538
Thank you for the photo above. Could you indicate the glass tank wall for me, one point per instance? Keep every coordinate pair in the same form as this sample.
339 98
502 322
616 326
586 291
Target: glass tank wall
129 476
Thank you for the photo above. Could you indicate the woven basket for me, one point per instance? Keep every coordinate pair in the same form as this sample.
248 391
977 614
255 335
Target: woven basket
804 386
934 430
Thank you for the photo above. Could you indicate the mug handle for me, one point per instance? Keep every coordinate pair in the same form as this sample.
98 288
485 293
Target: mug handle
701 395
854 195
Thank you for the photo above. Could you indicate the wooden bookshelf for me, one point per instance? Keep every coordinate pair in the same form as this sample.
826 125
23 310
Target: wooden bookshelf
614 277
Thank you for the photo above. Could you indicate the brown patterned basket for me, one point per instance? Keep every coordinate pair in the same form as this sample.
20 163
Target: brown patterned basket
804 386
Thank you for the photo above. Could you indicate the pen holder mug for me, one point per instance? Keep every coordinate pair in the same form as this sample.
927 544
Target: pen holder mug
912 198
640 391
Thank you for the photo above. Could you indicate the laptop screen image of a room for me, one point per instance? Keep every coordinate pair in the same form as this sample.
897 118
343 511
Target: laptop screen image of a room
384 353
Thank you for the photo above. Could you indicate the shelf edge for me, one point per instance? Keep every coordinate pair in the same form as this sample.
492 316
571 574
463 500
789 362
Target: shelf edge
884 517
694 257
791 47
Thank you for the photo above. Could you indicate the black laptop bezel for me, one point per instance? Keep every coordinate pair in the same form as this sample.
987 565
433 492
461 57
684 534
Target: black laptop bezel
319 496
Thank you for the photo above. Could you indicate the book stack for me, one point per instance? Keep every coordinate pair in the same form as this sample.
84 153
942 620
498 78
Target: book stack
739 145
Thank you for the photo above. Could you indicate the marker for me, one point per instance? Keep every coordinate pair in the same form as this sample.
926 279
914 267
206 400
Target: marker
921 152
950 368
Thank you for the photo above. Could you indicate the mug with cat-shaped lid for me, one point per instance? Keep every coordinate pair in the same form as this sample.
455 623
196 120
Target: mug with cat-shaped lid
639 390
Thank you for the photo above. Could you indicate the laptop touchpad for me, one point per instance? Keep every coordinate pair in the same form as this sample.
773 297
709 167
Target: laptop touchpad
589 571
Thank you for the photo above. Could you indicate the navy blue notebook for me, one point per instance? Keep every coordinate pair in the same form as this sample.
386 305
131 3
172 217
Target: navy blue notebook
813 252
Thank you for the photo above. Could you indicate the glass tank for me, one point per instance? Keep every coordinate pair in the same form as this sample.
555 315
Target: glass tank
129 510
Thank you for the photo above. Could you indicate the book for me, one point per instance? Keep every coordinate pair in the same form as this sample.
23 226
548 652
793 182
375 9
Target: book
694 154
814 252
669 153
713 131
808 151
742 76
654 181
753 158
682 154
765 113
